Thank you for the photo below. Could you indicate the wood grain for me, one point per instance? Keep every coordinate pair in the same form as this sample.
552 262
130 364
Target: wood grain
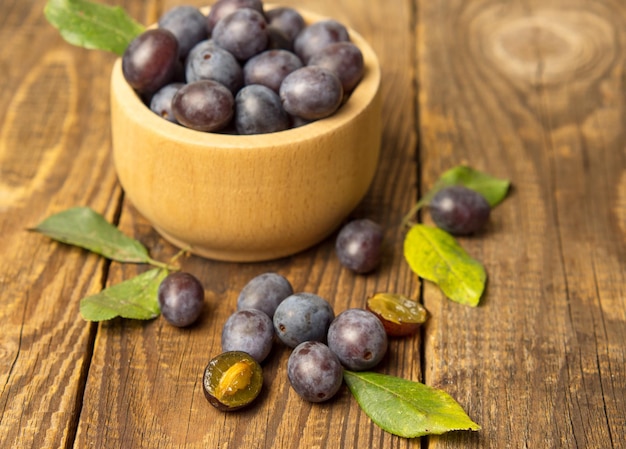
53 155
532 91
527 90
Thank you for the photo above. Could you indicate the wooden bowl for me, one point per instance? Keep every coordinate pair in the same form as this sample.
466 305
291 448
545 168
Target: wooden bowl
248 198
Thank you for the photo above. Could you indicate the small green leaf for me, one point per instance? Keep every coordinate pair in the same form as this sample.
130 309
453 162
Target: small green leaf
135 298
435 255
493 189
406 408
92 25
81 226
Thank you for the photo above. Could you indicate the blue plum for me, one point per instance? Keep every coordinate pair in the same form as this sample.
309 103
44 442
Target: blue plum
264 292
358 338
314 371
302 317
250 331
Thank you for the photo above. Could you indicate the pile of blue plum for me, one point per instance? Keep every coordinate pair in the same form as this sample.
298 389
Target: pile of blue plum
242 69
322 344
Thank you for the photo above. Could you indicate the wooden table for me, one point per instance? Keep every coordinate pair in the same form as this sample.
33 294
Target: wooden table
533 91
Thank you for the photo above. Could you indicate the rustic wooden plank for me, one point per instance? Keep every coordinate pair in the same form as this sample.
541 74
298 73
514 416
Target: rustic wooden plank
532 91
54 154
144 386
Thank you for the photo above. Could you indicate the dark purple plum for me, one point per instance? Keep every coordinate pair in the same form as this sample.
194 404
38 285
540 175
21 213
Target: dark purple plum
359 245
302 317
318 35
203 105
258 111
188 24
311 93
161 102
459 210
288 20
207 61
314 371
149 62
222 8
243 33
264 292
270 68
181 298
250 331
344 59
358 339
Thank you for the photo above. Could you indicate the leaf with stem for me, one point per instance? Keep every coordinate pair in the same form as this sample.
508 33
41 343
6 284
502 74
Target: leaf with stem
83 227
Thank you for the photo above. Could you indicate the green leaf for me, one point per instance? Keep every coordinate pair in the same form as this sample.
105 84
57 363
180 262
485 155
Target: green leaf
405 408
92 25
493 189
435 255
81 226
135 298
